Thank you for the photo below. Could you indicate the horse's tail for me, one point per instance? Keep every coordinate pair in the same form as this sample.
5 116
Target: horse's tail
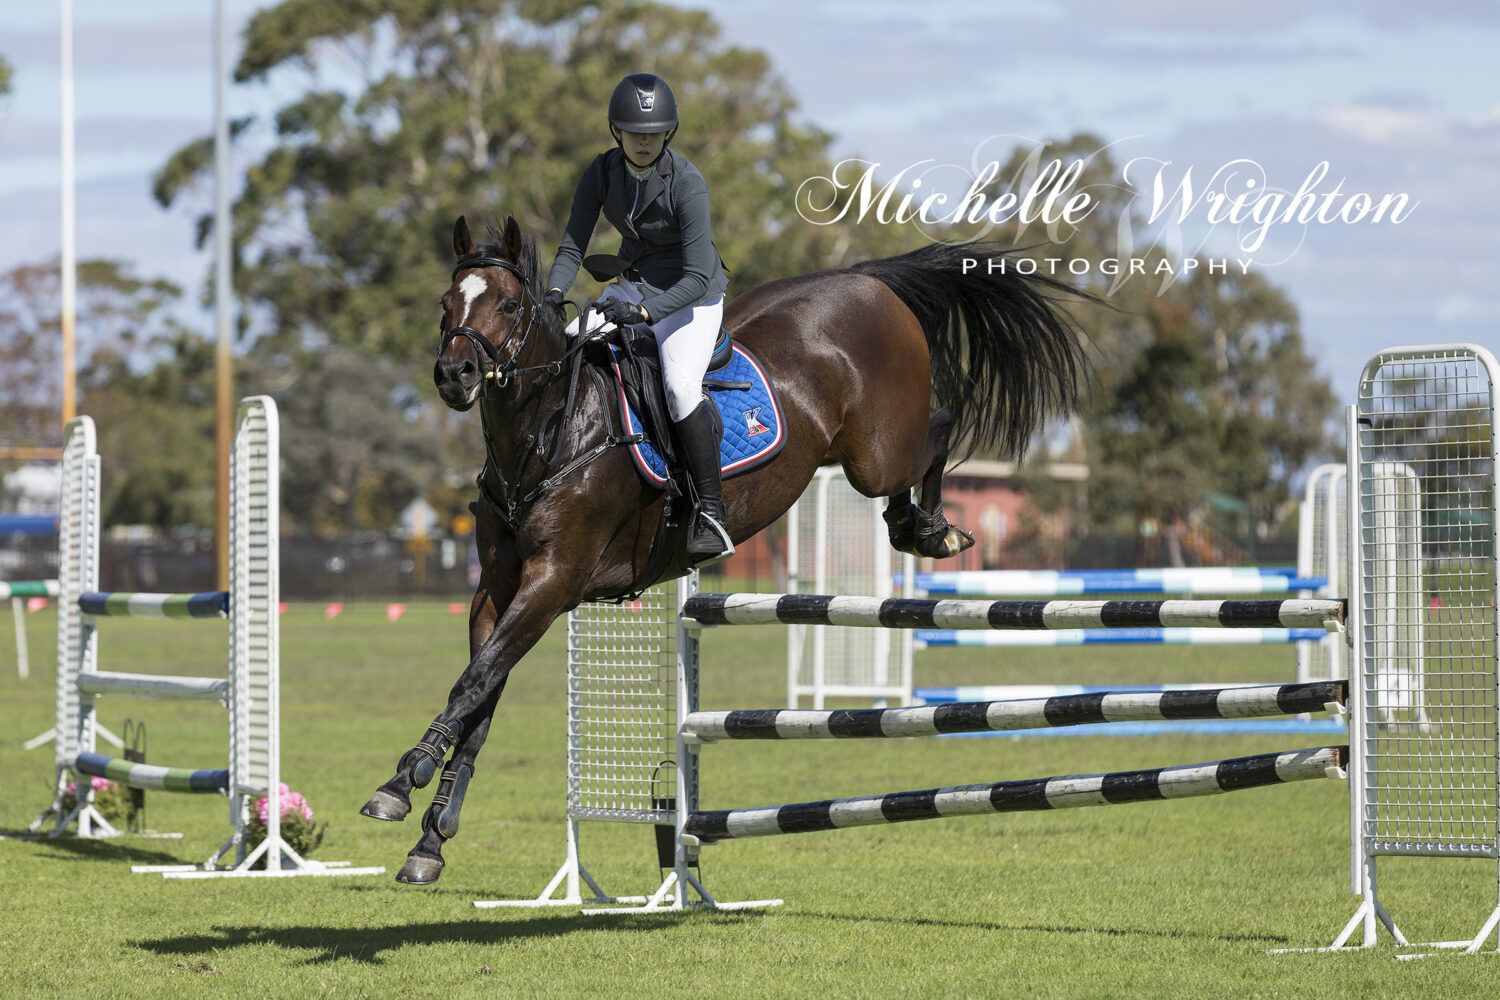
1006 356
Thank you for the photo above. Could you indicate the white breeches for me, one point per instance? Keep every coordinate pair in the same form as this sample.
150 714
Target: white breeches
684 339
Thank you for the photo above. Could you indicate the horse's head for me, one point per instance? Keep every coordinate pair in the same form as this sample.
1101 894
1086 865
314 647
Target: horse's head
490 313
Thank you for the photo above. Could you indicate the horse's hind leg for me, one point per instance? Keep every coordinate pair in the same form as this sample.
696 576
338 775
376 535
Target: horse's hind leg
901 522
921 529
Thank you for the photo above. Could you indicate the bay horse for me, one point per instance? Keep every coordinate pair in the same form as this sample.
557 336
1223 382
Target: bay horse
879 367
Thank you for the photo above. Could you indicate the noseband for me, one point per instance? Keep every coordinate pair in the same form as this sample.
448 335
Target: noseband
510 503
500 371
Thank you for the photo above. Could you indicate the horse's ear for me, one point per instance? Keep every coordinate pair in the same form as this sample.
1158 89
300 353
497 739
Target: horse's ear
513 241
463 244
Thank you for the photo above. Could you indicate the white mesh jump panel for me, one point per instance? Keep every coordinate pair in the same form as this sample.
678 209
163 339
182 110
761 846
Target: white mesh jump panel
632 676
1423 454
78 571
622 716
842 547
254 621
1426 603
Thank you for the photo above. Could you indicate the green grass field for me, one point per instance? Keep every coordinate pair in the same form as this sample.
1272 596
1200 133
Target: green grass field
1172 899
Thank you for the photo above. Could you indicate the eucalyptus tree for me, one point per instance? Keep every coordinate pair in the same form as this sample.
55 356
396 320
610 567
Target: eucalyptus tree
395 117
408 113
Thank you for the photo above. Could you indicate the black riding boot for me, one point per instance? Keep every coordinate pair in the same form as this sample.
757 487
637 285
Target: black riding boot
709 541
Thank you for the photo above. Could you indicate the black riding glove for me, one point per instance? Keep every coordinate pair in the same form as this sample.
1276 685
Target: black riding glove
622 313
554 300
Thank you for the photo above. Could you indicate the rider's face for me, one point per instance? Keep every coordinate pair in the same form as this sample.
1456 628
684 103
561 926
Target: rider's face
642 147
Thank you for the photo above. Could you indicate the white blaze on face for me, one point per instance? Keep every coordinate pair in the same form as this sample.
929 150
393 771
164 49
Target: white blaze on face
472 287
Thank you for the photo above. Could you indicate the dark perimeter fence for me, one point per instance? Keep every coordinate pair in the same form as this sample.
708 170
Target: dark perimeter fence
374 566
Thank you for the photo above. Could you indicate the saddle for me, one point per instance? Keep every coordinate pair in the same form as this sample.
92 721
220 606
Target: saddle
750 421
637 367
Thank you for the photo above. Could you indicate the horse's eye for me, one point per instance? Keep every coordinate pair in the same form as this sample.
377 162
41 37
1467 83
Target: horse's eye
510 306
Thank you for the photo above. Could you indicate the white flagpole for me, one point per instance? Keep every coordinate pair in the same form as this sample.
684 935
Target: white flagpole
223 294
69 262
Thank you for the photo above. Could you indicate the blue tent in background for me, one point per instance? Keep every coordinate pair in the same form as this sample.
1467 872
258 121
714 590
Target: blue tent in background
28 524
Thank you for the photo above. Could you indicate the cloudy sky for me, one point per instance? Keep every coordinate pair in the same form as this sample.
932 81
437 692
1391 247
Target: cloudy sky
1397 97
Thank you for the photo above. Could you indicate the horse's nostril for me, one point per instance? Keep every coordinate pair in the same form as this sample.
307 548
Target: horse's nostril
460 372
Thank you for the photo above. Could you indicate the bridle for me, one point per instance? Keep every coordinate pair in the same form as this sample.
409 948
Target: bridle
501 371
511 504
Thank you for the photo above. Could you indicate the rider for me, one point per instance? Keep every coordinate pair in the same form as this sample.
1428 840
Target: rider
672 281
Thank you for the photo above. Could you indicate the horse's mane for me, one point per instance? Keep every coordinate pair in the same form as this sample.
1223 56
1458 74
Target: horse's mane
495 247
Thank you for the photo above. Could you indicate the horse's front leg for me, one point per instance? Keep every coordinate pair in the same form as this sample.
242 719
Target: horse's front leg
545 591
442 815
440 822
415 769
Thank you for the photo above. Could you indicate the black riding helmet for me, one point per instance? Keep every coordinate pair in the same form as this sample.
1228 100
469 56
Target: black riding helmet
642 102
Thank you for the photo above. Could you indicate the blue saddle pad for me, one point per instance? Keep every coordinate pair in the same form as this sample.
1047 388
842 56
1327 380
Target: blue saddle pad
753 427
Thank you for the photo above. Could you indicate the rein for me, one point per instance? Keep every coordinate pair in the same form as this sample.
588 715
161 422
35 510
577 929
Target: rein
512 505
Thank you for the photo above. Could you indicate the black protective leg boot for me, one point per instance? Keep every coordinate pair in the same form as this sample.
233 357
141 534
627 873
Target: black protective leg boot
709 541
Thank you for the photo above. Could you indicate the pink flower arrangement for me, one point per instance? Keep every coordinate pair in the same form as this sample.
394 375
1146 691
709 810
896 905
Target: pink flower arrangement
113 800
97 783
297 827
290 802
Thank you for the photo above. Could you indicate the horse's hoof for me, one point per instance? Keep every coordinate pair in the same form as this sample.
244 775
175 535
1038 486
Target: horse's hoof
420 870
384 805
945 544
959 540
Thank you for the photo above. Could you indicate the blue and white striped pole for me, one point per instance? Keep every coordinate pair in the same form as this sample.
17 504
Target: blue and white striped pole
1010 638
1065 583
151 776
214 604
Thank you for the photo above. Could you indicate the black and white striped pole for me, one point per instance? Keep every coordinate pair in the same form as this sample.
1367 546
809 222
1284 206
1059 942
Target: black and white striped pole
1242 702
923 613
1032 794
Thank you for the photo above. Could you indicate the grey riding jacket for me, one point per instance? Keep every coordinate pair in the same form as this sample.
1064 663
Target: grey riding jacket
666 240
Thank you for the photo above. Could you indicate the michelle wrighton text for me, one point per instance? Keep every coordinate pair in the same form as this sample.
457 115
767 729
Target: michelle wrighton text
1046 193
